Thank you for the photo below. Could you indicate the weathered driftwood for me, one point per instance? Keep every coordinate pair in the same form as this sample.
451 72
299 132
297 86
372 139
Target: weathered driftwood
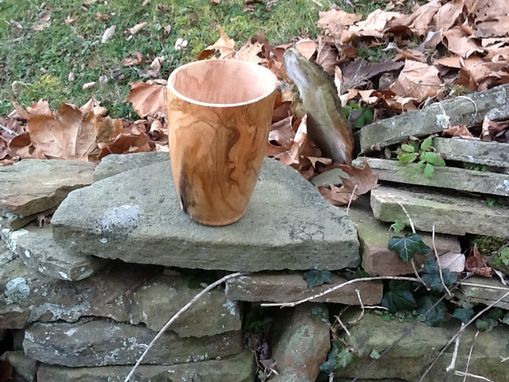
444 177
468 110
472 151
219 113
454 215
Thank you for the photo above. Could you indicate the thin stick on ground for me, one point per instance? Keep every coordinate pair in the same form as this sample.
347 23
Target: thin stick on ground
484 286
339 286
452 365
177 315
362 308
351 199
470 356
438 262
459 333
480 377
343 326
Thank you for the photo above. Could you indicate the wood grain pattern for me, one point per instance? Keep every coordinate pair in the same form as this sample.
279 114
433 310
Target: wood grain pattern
219 113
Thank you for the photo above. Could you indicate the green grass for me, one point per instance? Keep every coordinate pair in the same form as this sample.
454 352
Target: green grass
35 64
38 62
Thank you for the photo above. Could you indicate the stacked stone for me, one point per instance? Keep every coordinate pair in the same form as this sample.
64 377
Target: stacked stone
74 312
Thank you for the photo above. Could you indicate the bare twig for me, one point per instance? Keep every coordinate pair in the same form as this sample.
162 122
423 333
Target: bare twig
408 217
484 286
459 333
350 200
343 326
438 262
177 315
362 308
502 359
461 373
339 286
470 355
7 129
416 273
452 365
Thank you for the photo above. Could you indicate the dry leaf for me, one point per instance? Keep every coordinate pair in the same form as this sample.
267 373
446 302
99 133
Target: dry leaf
476 264
224 45
154 69
127 143
375 24
281 134
135 59
306 47
88 85
43 22
454 262
67 134
148 99
421 20
360 181
459 131
138 27
448 14
336 21
327 56
418 81
108 33
251 52
460 43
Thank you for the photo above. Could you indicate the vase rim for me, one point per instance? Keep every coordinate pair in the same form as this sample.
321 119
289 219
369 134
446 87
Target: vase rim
264 72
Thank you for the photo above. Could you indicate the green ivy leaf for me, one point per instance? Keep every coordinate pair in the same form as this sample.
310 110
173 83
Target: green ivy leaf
433 158
399 300
407 157
431 276
398 226
365 117
432 315
408 148
339 357
485 325
429 170
408 246
315 277
426 144
463 314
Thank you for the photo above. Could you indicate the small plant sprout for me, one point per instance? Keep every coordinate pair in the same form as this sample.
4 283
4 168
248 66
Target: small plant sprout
425 155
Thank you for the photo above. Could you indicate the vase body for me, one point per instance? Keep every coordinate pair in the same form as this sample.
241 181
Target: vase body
219 113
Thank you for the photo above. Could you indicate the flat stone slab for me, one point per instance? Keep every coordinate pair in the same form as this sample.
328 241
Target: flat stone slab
239 368
374 237
494 154
37 249
34 186
471 110
135 216
445 177
104 343
125 293
116 164
479 290
456 215
301 343
413 345
281 287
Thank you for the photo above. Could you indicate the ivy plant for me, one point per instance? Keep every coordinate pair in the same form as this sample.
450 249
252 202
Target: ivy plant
424 154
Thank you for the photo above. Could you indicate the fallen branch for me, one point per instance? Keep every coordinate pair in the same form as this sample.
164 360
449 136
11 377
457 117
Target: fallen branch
469 356
459 333
177 315
438 262
484 286
339 286
461 374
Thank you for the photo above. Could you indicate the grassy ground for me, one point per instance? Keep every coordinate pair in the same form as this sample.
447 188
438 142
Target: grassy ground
35 64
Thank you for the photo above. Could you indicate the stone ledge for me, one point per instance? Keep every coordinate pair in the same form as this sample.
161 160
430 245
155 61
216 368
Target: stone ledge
135 216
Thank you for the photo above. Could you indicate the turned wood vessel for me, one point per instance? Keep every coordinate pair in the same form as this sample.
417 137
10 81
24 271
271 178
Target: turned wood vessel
219 113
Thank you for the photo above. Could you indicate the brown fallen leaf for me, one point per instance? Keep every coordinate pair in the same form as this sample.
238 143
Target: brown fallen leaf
374 25
461 43
127 143
448 14
67 134
138 27
360 180
418 81
306 47
476 263
225 46
335 22
251 52
281 133
420 20
148 98
135 59
459 131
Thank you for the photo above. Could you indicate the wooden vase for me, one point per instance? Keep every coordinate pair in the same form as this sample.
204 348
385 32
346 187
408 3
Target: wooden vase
219 113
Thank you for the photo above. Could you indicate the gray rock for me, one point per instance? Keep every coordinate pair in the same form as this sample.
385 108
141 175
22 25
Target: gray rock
454 215
374 236
23 366
135 294
135 216
31 187
471 151
413 345
301 344
239 368
37 249
479 290
280 287
493 103
115 164
103 342
444 177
